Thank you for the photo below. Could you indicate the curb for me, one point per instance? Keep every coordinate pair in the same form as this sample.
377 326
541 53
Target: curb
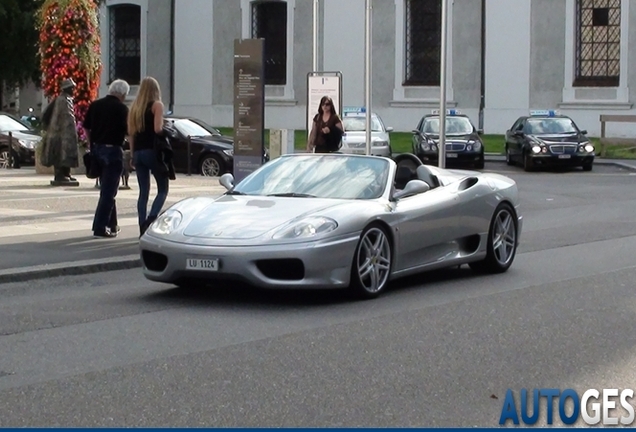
71 268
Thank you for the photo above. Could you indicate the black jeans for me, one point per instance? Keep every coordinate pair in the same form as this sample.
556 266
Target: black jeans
111 163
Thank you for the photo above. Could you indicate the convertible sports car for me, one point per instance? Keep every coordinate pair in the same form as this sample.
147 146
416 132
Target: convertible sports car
336 220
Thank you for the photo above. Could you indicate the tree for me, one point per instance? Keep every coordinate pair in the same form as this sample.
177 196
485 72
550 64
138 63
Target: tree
18 43
70 48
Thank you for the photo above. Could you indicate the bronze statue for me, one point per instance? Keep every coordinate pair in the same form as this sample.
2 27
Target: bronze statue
60 143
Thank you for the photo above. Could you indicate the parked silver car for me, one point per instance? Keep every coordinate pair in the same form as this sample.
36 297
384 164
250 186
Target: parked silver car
354 139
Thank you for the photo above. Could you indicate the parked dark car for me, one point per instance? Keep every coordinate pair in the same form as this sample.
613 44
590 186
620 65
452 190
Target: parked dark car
463 142
547 138
211 152
24 139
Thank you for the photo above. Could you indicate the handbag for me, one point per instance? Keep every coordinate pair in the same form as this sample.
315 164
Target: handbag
92 166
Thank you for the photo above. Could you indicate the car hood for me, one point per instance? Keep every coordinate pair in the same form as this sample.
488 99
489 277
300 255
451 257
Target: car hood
240 217
226 143
23 135
561 138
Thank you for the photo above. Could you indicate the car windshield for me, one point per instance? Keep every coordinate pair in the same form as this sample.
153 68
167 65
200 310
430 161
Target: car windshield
190 128
454 126
538 126
324 176
359 124
9 124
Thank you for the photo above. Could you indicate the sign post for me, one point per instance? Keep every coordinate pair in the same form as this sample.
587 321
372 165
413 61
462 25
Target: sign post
249 107
321 84
442 85
367 74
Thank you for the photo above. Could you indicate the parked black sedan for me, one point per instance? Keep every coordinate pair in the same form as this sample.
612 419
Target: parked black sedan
547 138
24 139
211 153
463 142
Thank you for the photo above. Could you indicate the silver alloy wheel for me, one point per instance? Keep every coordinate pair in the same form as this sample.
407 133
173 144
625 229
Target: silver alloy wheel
210 167
4 159
374 260
504 235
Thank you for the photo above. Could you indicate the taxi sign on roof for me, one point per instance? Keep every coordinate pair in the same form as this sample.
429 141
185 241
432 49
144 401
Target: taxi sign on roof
354 110
448 112
548 113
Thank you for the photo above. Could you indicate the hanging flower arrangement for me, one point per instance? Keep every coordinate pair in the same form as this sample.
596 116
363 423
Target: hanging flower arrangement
69 47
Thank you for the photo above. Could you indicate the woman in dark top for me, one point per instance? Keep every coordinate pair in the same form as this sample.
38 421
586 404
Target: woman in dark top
145 122
327 130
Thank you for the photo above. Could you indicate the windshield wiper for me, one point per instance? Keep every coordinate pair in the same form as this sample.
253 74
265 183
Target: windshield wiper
292 194
233 192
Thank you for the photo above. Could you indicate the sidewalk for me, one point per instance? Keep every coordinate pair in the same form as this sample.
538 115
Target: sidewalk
45 231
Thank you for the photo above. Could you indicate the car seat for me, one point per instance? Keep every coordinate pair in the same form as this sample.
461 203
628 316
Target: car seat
404 175
424 173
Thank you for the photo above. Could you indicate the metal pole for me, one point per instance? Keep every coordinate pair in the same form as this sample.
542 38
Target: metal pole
442 85
189 151
367 70
315 37
10 154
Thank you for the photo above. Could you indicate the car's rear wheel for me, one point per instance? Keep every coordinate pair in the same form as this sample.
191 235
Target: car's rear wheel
211 166
372 262
502 242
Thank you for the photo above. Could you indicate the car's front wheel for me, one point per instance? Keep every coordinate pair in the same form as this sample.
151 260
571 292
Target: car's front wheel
587 167
372 262
211 166
502 241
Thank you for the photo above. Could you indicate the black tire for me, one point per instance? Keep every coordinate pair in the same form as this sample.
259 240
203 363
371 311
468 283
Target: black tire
374 240
211 165
494 261
480 163
527 162
509 160
4 158
587 167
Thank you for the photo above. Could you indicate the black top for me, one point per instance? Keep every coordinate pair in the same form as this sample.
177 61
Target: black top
330 141
107 120
145 140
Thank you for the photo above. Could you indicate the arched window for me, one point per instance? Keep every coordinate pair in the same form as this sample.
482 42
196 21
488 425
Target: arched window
125 43
598 43
269 22
422 42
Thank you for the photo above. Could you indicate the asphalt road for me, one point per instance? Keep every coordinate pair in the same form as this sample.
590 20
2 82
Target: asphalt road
439 349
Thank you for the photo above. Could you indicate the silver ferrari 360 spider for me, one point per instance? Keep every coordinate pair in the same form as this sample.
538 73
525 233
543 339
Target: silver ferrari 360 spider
336 220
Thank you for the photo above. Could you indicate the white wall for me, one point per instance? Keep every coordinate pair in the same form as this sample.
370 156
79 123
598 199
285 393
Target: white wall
193 58
507 63
344 46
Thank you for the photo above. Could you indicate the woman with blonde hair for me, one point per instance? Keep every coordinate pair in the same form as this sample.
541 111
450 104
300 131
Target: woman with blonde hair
145 122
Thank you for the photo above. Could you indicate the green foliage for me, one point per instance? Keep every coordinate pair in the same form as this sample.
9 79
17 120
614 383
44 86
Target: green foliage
19 42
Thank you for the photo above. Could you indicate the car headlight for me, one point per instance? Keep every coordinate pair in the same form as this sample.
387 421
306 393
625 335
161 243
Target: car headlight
167 222
536 149
586 146
476 145
307 227
229 152
426 147
433 147
27 143
380 144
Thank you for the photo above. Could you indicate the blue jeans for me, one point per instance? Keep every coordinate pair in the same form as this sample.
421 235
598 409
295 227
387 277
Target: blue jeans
110 160
146 163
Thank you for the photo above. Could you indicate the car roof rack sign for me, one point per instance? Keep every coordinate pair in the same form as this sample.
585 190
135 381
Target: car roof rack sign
354 110
448 112
548 113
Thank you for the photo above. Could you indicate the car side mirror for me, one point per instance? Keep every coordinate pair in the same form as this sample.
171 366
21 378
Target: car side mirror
518 133
413 187
170 132
584 132
389 129
227 181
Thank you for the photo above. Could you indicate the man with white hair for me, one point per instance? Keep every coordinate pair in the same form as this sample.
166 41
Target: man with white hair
106 125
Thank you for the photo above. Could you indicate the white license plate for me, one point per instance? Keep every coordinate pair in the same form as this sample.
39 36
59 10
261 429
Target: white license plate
202 264
451 155
564 156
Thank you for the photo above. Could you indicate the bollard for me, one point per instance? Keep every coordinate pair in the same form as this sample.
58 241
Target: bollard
10 153
189 151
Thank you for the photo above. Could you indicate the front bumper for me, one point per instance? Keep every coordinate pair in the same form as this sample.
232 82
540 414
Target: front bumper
313 264
543 159
452 158
26 155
